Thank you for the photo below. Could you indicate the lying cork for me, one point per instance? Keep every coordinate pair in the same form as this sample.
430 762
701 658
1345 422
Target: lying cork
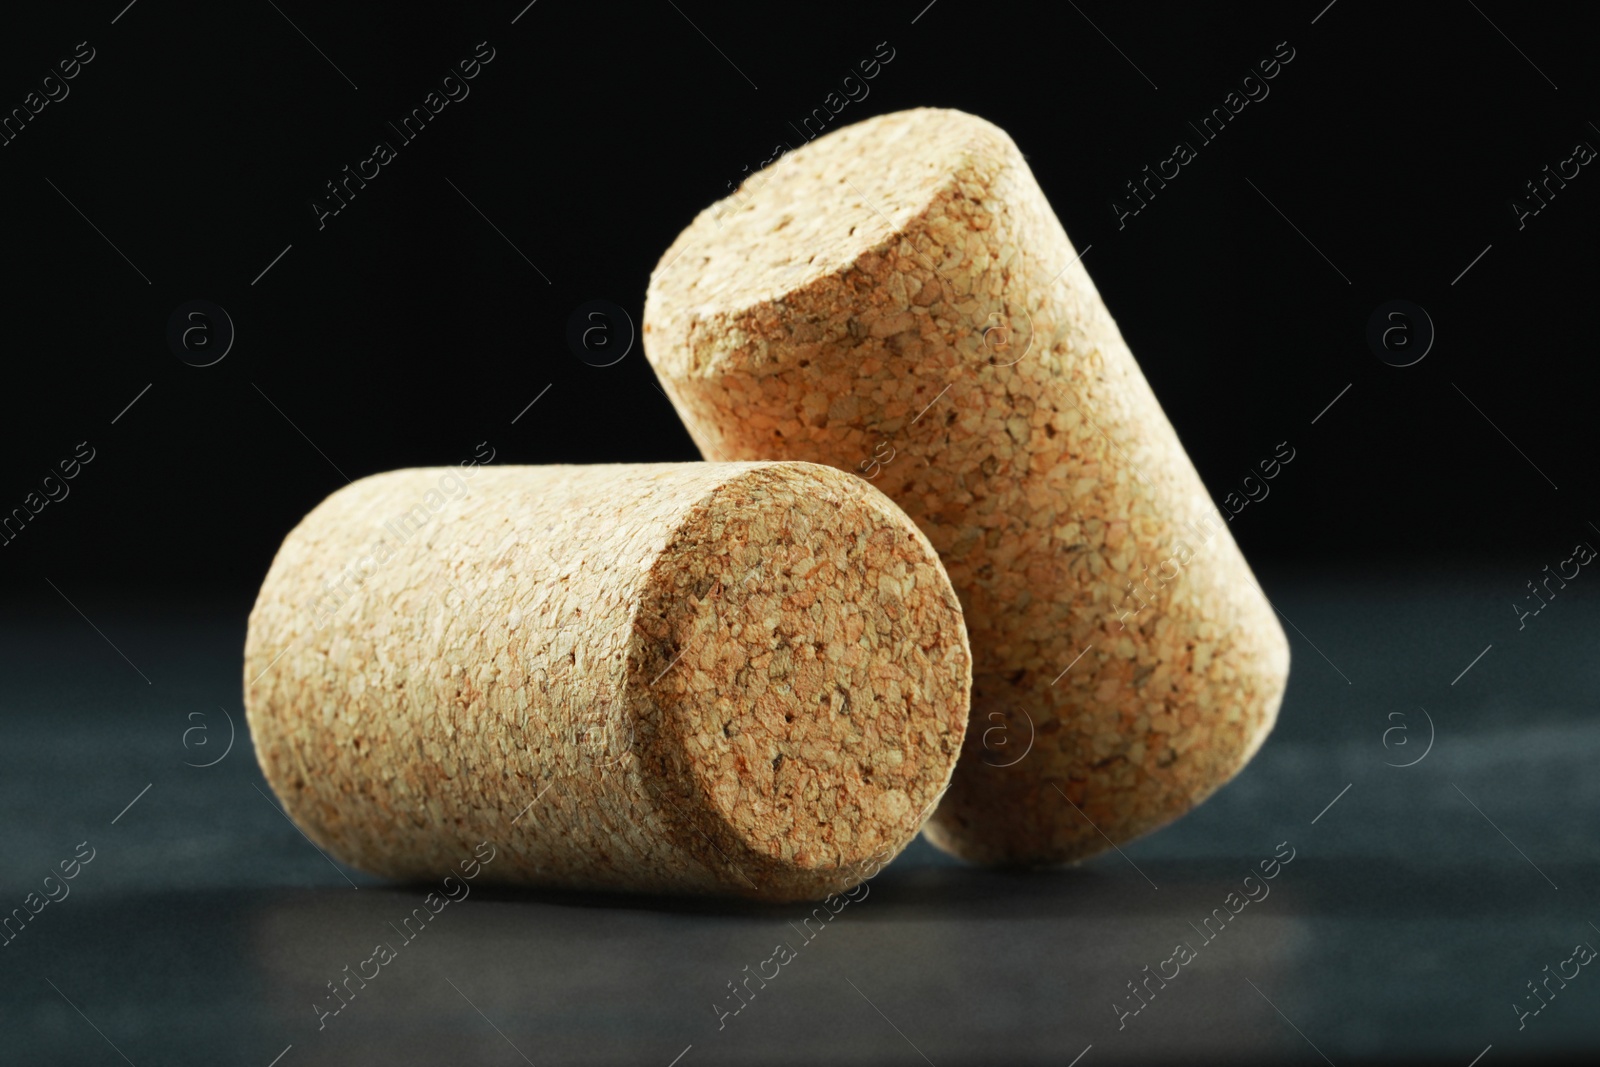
896 299
735 678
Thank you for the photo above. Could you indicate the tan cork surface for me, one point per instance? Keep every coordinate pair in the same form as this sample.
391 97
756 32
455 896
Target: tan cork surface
897 299
739 678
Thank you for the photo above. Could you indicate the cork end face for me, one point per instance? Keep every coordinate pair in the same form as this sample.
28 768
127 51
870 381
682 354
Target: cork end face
802 673
813 213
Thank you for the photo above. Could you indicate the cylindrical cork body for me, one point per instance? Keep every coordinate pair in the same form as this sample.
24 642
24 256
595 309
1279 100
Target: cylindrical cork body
898 300
732 678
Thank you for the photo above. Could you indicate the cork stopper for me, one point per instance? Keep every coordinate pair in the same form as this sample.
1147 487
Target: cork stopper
897 299
733 678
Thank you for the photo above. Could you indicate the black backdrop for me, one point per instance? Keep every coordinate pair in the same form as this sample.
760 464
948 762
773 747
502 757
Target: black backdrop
419 321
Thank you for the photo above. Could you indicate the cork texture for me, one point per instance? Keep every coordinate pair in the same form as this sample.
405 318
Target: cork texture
897 299
730 678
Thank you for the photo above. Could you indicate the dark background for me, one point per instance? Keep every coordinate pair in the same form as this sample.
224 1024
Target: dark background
416 325
408 330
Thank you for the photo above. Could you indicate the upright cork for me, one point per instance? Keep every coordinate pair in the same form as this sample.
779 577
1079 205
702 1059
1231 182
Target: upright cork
731 678
896 299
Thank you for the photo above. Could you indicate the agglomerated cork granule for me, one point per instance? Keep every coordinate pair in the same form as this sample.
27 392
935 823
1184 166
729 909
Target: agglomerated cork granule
725 678
897 299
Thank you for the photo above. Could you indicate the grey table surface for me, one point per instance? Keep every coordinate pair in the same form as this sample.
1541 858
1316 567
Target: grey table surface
1420 902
